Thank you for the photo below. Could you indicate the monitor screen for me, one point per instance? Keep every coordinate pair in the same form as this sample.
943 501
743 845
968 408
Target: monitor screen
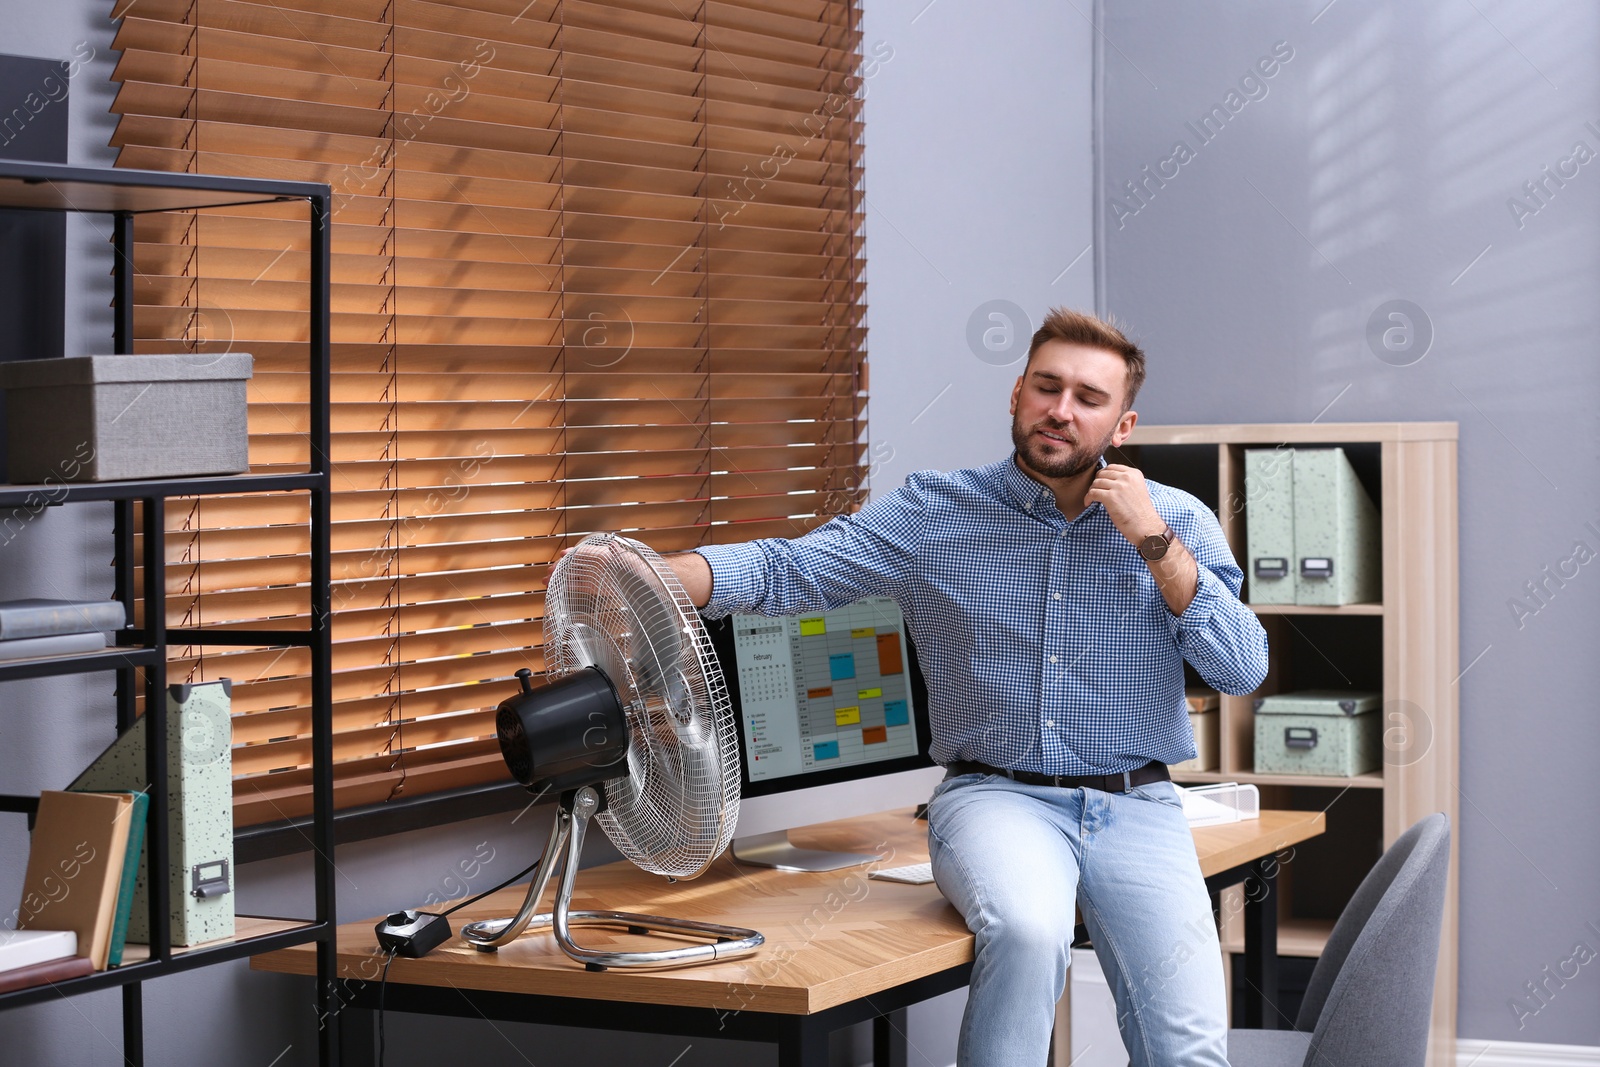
823 697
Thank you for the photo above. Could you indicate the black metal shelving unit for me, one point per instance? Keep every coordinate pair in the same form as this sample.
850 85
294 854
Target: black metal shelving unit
123 194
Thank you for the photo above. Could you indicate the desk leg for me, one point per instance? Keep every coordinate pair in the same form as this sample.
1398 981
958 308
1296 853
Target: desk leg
802 1043
889 1045
1261 945
358 1037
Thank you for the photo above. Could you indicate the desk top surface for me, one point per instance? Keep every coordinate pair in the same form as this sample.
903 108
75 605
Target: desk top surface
832 937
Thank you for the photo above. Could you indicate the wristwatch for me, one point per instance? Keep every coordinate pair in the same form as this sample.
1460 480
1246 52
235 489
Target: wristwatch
1155 546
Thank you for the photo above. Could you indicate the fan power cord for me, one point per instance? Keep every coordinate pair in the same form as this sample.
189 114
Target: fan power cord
383 983
413 934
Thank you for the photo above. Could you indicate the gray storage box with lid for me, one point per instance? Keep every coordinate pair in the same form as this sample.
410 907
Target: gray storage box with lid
105 418
1319 731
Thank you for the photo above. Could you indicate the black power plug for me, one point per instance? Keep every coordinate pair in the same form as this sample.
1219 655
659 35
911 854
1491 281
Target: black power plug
412 934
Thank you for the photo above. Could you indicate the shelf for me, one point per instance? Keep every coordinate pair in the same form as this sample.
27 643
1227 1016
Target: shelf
1304 433
253 935
1312 609
107 659
125 193
64 492
1305 938
1373 780
246 930
62 187
240 634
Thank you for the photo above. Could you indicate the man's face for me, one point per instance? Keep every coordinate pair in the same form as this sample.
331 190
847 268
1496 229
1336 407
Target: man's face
1066 409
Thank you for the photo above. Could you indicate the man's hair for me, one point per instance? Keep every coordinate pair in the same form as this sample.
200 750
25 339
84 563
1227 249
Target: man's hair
1078 328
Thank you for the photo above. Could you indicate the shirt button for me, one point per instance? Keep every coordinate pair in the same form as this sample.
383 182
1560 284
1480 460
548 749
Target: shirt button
1050 723
1055 596
1053 659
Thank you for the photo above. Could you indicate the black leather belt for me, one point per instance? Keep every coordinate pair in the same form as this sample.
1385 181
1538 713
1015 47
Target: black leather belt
1106 783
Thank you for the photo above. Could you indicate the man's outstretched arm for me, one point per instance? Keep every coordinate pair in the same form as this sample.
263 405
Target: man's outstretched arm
695 574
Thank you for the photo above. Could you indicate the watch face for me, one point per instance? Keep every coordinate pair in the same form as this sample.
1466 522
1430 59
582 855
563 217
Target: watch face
1153 547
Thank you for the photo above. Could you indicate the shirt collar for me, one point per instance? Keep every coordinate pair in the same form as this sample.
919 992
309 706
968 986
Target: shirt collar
1027 492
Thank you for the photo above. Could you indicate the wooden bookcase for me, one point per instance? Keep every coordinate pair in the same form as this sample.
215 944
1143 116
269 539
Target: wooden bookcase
1406 646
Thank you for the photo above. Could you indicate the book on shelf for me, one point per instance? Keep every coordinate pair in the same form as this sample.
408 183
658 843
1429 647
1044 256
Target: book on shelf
130 875
24 948
50 971
54 645
36 617
75 861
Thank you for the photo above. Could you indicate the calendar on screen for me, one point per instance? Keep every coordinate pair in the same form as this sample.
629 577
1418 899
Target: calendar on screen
830 689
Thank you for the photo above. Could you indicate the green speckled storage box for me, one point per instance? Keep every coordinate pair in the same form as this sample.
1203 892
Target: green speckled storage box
106 418
199 812
1319 731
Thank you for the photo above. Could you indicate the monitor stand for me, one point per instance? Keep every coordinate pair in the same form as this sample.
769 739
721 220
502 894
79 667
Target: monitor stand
775 850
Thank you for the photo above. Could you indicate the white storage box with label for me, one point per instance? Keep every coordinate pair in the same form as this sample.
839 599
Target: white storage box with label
1203 718
1319 731
106 418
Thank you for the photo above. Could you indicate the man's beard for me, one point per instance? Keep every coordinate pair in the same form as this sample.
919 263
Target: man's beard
1075 461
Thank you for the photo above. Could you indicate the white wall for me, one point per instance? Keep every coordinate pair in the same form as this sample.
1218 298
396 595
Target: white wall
978 188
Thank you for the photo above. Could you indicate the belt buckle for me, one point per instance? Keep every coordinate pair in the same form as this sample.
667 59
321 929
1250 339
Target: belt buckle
1127 781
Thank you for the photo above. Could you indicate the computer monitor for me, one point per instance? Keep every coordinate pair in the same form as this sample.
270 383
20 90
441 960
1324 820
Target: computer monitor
821 698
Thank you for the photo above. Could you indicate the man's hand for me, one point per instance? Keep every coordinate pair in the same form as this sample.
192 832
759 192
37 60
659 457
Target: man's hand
690 567
1122 492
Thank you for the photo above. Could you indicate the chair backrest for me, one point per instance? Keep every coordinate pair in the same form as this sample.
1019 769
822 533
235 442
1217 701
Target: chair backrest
1371 995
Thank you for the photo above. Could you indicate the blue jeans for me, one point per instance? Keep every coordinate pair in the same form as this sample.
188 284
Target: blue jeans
1013 859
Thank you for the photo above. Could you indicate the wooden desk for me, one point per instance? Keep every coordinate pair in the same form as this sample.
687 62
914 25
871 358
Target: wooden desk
840 948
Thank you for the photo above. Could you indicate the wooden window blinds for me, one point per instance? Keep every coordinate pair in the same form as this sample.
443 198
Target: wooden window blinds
596 266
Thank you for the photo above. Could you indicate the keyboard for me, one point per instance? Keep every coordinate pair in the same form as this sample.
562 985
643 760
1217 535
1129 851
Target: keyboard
912 874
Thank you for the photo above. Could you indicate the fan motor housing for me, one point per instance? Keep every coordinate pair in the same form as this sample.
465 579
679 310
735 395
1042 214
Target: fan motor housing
563 735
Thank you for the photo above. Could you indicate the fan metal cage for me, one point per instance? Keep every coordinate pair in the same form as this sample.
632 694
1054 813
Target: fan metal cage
615 604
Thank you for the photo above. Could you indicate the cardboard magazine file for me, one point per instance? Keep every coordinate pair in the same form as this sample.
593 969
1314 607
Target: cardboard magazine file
199 810
1204 720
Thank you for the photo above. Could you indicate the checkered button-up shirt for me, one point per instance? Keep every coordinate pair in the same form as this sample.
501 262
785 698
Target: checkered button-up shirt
1045 643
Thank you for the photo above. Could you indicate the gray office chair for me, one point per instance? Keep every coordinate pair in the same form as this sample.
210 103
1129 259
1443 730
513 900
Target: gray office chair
1371 994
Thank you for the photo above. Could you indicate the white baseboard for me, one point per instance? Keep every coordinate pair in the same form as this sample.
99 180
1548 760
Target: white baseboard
1471 1052
1475 1053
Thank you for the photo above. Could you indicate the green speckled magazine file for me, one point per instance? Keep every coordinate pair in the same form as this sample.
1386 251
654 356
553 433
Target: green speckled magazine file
1270 563
199 812
1336 534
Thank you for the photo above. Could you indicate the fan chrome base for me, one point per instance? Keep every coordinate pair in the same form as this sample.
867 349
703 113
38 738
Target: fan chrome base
566 844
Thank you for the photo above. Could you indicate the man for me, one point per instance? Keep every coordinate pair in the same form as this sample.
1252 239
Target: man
1053 598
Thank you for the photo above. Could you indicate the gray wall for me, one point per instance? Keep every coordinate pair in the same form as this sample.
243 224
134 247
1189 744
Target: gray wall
1378 166
979 188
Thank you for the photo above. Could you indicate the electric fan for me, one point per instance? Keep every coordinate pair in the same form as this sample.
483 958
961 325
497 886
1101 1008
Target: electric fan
637 733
